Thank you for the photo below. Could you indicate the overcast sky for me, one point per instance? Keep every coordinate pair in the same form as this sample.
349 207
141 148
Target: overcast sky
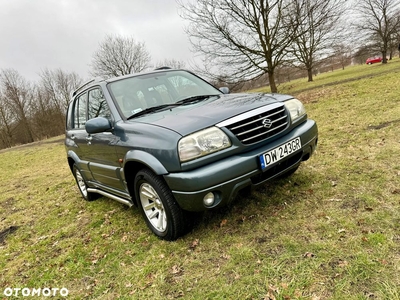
39 34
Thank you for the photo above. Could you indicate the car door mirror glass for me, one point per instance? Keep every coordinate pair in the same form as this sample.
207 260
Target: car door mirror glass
224 90
97 125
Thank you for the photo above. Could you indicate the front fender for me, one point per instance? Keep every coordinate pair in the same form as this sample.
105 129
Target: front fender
147 159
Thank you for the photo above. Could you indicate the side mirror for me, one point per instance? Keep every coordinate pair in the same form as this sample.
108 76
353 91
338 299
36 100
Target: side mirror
224 90
97 125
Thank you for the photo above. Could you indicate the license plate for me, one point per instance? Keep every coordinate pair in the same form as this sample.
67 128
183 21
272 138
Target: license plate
280 152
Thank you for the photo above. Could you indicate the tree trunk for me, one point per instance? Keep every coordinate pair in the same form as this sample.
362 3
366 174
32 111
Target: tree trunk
29 134
310 75
384 58
272 84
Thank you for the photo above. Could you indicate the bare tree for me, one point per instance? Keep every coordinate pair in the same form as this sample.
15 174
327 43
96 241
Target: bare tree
379 20
398 41
45 117
58 85
52 96
394 44
342 53
316 25
18 96
243 39
6 120
172 63
118 55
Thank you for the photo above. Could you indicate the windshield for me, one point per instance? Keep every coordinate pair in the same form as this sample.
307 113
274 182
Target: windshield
161 89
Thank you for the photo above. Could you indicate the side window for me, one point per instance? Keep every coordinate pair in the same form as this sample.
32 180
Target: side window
80 111
98 106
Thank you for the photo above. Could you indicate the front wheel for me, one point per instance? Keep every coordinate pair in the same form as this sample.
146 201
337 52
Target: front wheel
158 206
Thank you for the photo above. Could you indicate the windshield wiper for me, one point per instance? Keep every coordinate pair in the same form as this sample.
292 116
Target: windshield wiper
194 99
163 106
150 110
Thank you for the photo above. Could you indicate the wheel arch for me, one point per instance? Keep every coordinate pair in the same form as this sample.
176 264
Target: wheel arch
72 159
137 160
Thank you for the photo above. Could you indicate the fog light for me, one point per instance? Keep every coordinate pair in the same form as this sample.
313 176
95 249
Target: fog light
209 199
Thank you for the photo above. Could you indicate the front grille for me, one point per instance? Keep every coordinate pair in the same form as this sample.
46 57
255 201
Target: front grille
260 126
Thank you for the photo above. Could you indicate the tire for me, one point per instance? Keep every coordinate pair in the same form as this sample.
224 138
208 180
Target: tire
82 185
160 211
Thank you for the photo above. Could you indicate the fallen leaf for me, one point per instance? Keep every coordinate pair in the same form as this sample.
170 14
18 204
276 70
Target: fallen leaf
335 200
226 256
269 296
343 263
384 262
309 254
194 244
369 295
176 269
223 222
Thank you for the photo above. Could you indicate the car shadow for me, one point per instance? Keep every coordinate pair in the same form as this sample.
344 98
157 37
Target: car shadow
259 202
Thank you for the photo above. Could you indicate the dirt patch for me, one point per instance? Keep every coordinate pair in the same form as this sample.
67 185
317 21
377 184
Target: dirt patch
8 203
6 232
383 125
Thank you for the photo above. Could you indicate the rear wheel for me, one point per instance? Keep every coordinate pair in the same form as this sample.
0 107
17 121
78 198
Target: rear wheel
80 181
158 206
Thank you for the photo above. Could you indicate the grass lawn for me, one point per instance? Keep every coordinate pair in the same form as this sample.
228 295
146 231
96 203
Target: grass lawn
330 231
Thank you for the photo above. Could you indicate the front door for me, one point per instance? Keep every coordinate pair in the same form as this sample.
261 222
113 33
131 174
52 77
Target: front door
100 149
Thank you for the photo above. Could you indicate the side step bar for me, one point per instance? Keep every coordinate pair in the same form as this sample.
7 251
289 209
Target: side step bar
111 196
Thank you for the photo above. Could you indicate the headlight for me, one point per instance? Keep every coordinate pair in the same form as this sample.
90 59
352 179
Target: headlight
202 143
296 109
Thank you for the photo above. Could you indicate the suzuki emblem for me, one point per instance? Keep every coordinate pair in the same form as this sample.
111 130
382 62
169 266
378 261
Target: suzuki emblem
267 123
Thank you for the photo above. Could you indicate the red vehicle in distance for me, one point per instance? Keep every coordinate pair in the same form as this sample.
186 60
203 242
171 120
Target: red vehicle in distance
373 60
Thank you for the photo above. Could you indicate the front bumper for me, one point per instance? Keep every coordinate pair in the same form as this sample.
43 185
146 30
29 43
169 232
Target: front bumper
227 176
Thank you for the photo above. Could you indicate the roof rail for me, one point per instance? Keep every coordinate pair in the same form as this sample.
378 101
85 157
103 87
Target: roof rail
163 68
82 86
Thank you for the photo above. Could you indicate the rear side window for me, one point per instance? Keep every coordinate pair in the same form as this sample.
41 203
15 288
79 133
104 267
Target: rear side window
80 111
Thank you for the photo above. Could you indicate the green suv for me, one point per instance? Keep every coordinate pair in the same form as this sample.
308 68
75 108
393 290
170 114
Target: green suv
171 143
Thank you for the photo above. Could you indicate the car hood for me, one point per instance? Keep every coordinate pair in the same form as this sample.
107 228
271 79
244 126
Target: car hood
189 118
